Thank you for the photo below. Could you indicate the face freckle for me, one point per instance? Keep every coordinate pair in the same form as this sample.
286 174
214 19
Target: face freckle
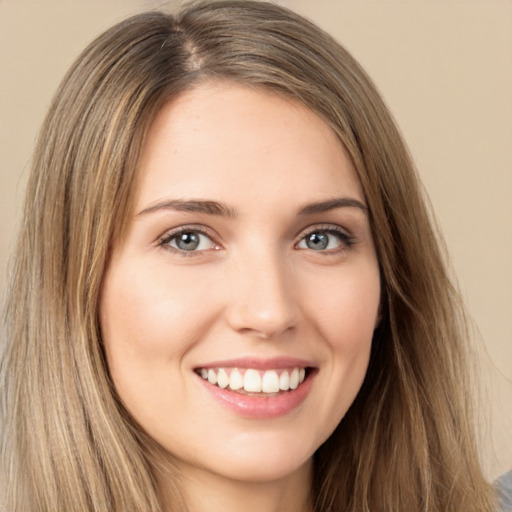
238 314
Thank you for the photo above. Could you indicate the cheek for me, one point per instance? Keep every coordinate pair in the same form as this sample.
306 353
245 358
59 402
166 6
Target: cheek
346 315
150 310
347 307
150 318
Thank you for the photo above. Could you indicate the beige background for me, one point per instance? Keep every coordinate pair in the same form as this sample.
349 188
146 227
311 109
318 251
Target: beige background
445 69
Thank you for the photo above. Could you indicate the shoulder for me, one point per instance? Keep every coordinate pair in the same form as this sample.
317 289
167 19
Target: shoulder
504 487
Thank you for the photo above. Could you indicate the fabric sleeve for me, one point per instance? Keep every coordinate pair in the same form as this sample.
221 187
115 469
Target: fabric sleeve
504 489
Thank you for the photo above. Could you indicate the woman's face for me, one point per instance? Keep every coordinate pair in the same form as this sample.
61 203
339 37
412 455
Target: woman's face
238 312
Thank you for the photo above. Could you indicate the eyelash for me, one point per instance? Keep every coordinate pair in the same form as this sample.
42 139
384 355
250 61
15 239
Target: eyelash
165 241
346 241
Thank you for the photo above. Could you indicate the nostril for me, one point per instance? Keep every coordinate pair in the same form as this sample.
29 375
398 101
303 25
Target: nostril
259 322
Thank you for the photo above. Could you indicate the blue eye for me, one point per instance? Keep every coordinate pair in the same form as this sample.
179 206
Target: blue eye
325 240
188 240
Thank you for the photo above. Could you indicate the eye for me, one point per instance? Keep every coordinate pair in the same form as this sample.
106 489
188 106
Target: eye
325 240
188 241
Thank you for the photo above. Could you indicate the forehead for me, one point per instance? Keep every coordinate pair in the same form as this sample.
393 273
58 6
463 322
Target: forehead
224 138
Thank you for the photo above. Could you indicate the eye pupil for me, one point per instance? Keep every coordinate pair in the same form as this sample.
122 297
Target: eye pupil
317 241
187 241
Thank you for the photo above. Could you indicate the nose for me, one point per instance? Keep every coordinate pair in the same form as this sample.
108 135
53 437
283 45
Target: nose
262 302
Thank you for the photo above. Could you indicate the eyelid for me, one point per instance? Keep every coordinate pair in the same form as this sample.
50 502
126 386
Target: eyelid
347 238
163 240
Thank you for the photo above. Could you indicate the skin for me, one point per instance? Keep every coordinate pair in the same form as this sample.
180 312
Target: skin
253 288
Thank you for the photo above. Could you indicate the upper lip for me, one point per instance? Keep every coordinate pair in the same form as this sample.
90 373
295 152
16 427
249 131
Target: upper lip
274 363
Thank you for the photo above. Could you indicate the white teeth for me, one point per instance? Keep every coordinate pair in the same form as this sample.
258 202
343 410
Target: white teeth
236 380
222 379
252 381
270 382
294 379
212 376
284 381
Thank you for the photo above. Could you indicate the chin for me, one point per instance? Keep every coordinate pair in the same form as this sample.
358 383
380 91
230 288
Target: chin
262 469
253 458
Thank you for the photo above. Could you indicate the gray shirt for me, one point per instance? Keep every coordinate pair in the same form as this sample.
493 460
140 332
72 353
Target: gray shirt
504 488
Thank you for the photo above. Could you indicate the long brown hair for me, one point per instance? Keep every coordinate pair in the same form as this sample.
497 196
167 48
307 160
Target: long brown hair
406 444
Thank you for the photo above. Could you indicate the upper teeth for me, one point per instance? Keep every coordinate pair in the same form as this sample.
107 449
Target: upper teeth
254 381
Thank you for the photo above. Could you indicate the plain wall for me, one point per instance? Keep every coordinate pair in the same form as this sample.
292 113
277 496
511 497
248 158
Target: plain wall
444 68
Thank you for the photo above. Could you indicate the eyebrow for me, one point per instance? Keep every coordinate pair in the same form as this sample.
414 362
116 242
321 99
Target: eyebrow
219 209
332 204
197 206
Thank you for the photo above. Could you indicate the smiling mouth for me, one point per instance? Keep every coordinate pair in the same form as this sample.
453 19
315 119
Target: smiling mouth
255 382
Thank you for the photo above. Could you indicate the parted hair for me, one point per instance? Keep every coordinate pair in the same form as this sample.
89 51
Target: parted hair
407 444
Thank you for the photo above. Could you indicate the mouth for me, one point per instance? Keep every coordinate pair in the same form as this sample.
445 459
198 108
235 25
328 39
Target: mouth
258 388
255 382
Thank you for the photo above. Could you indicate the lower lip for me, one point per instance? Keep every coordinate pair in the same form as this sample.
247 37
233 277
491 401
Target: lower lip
261 407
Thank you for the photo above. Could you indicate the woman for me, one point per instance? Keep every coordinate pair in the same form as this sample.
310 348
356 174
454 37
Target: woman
225 284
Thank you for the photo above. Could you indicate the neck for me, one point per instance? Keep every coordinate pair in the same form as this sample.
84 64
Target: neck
206 492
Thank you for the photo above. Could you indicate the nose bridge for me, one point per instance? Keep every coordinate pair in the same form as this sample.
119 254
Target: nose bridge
262 302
